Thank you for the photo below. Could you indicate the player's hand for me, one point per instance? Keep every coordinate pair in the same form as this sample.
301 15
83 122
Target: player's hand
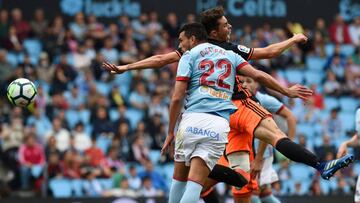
300 38
299 91
113 69
255 167
342 151
167 143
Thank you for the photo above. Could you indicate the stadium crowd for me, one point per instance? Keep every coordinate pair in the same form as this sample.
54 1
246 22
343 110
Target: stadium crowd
101 134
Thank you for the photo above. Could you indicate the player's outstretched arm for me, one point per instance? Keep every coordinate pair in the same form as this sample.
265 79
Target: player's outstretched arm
157 61
295 91
291 121
175 109
354 141
276 49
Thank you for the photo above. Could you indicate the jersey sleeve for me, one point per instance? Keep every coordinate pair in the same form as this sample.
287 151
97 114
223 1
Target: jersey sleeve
270 103
239 62
184 68
357 121
243 51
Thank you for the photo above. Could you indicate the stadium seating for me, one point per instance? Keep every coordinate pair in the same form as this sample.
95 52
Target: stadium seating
348 120
315 63
300 172
331 102
60 187
349 104
294 76
77 187
313 77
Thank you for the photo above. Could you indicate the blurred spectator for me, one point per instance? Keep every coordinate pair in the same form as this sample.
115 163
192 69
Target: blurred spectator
110 53
31 154
6 70
140 26
92 186
339 31
309 113
81 59
148 190
75 98
78 27
64 73
157 180
71 165
337 67
315 189
55 36
303 142
116 99
39 23
354 31
122 141
139 99
95 66
326 148
298 191
21 26
51 147
54 168
140 149
332 86
102 126
95 28
317 97
123 191
284 171
134 179
111 162
333 125
342 188
41 100
319 45
95 154
321 28
12 42
61 134
82 140
172 27
4 24
41 123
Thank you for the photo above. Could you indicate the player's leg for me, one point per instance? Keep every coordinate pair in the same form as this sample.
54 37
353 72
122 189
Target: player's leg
266 195
268 131
178 183
208 193
202 151
181 171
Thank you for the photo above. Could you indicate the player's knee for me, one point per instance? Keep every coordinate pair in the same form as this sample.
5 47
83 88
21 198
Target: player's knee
239 160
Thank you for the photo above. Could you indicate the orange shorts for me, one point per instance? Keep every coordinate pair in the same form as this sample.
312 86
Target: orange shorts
243 124
248 189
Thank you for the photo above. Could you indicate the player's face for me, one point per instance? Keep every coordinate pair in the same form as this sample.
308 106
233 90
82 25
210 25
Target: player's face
224 30
185 43
249 84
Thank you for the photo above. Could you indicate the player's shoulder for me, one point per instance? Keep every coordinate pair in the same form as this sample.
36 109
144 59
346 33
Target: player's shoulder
266 97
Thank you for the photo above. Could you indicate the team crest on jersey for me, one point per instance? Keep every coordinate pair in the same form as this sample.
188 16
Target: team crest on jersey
244 49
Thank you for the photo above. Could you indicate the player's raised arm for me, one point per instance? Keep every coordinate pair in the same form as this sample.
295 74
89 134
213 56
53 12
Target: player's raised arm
274 50
354 141
296 91
153 62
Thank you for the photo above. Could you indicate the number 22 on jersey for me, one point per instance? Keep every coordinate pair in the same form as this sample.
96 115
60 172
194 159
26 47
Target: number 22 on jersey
210 69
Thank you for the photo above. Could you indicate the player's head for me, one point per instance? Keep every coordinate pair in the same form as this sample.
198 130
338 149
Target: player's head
216 24
190 35
250 84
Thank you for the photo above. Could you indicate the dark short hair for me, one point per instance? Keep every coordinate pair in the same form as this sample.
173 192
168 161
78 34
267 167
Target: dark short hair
209 18
194 29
